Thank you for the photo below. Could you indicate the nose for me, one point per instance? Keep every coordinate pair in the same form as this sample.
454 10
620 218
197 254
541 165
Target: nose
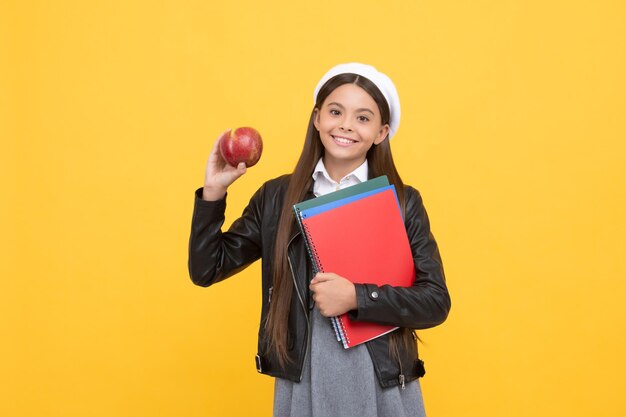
345 124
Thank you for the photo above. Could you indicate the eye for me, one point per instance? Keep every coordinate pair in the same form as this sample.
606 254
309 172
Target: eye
363 118
334 112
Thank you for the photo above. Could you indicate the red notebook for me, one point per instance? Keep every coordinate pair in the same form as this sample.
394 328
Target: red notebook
363 240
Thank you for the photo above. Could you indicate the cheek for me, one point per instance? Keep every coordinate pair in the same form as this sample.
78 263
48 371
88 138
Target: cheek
370 134
325 124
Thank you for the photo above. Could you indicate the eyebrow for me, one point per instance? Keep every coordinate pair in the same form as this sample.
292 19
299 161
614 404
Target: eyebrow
358 110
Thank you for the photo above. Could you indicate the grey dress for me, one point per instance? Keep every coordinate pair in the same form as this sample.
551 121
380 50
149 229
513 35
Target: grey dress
340 382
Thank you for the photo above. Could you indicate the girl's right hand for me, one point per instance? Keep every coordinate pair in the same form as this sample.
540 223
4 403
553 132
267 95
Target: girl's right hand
219 175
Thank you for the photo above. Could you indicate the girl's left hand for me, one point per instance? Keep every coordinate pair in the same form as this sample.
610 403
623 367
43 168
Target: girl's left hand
333 294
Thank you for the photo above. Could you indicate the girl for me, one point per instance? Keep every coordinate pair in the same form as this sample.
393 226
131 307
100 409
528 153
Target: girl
356 113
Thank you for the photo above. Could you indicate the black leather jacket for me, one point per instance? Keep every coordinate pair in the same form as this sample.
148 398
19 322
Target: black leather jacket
215 255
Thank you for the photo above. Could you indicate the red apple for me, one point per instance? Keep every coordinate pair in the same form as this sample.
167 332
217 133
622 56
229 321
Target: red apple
243 144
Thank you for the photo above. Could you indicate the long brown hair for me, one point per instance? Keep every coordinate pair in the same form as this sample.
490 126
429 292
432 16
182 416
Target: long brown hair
380 162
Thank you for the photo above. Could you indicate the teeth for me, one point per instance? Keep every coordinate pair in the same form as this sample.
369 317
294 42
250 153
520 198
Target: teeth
343 140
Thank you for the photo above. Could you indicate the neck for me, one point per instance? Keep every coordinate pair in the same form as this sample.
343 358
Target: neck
339 169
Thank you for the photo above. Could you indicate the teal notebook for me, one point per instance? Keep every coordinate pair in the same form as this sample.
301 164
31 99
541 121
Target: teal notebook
368 185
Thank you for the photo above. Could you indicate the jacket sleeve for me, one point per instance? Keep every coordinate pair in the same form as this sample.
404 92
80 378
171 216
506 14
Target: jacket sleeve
215 255
425 304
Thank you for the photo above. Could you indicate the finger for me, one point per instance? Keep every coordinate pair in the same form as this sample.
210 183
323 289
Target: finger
224 133
323 277
236 170
215 151
318 277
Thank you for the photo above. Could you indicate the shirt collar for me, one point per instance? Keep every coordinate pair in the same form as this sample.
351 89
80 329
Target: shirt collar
360 173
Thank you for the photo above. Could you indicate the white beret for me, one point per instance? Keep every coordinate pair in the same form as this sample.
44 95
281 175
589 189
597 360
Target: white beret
383 82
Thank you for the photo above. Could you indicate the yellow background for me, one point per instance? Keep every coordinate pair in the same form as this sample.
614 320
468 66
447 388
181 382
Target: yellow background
513 129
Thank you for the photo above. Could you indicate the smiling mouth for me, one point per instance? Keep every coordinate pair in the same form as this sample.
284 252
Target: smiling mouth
345 141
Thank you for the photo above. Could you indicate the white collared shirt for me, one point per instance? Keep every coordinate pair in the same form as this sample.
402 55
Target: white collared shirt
323 184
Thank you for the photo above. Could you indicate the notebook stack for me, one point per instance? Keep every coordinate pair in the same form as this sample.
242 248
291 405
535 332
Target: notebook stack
358 233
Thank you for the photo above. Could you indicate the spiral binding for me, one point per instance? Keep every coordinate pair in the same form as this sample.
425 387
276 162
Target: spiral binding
312 250
344 333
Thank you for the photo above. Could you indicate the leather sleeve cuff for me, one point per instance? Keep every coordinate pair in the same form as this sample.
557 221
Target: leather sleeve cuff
367 296
209 208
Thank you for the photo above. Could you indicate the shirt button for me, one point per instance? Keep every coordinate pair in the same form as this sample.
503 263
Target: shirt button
374 295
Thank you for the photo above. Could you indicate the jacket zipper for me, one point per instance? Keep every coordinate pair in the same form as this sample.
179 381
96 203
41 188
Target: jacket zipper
306 313
269 301
401 378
